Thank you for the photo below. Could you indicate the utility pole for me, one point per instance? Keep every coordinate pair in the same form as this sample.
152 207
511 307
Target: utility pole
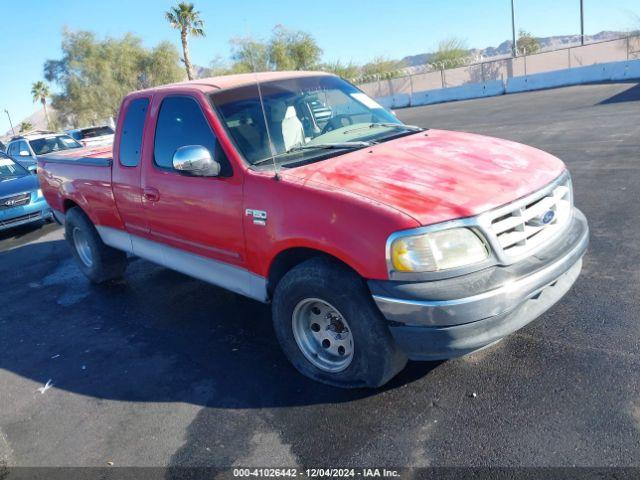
514 48
581 22
9 117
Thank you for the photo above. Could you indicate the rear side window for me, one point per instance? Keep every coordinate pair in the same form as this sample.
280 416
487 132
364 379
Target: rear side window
132 128
181 122
22 147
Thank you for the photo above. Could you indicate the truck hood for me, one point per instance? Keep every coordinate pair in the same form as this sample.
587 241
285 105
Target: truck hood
438 175
26 183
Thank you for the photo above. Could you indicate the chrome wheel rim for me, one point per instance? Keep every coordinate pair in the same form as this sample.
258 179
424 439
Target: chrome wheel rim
323 335
81 244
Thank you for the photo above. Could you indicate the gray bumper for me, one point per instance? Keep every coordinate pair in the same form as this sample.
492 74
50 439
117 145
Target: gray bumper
447 318
25 219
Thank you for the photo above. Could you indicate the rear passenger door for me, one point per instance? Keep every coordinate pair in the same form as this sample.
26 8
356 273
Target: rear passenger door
202 215
127 153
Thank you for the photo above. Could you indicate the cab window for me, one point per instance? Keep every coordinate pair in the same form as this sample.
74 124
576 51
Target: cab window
132 129
180 123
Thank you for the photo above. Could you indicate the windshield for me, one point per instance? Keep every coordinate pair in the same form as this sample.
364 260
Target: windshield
54 143
325 111
10 169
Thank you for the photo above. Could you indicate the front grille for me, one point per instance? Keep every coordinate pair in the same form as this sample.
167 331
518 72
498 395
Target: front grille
15 201
21 218
524 226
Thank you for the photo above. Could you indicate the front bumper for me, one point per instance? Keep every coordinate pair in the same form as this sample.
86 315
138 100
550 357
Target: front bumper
452 317
34 211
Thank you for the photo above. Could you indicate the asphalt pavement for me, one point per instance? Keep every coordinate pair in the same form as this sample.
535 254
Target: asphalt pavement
164 370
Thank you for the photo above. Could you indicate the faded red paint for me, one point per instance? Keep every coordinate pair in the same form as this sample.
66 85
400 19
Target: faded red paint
346 206
87 152
438 175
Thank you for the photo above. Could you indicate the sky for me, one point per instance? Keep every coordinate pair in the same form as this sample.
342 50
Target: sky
347 30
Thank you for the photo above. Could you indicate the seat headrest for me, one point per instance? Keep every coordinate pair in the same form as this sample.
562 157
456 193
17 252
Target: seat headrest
278 111
291 112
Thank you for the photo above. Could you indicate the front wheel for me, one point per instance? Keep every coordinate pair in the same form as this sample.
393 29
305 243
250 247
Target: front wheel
330 329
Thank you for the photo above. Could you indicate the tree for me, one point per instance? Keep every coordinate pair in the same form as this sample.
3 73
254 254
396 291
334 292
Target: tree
217 67
187 20
348 71
285 50
25 127
94 75
527 43
293 50
249 55
381 67
40 92
451 53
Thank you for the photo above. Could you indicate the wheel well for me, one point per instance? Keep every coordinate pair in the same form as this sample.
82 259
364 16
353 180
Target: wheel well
288 259
68 205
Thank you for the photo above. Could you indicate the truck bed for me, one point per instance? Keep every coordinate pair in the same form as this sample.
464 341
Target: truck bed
84 175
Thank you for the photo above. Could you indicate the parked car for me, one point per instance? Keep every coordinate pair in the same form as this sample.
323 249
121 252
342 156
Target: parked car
21 200
93 136
374 241
3 148
26 149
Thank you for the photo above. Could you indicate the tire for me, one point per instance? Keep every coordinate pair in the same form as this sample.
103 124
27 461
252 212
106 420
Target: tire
99 262
320 288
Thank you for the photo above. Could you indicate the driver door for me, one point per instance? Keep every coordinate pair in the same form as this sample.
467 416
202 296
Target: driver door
202 215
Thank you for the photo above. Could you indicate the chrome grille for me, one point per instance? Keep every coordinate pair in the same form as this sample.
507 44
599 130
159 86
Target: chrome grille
15 201
520 228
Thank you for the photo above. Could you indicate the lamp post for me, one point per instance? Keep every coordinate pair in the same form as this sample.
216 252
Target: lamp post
514 49
581 22
9 117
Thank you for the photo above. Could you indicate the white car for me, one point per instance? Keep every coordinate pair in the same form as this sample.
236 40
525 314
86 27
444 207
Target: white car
25 149
93 136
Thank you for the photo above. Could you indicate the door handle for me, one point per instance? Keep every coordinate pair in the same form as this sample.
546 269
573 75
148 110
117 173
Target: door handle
151 194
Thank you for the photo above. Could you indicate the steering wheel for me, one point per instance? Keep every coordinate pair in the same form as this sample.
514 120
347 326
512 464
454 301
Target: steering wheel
336 122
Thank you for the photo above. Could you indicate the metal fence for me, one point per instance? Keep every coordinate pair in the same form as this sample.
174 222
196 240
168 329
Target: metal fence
622 49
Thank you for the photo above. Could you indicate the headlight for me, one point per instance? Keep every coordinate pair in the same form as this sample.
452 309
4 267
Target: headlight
438 250
39 193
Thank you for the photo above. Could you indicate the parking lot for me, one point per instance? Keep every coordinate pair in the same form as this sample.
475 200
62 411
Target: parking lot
161 369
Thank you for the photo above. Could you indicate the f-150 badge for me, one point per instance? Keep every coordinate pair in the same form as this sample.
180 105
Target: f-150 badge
259 216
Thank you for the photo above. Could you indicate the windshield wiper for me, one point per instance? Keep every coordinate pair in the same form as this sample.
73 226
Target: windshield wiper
319 146
412 128
327 146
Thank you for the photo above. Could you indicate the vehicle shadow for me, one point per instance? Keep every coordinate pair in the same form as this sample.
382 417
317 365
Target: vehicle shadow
632 94
156 336
15 234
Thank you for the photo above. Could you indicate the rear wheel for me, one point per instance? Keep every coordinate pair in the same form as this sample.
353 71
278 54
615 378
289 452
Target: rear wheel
99 262
330 329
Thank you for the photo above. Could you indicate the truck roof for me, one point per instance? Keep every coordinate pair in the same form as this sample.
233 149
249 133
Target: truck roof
237 80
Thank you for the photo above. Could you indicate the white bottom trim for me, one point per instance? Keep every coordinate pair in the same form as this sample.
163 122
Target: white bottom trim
218 273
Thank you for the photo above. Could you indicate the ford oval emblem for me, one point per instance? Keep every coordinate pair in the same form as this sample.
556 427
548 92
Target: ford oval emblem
548 217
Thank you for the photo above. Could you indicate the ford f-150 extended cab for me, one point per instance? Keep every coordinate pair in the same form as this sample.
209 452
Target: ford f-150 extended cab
374 241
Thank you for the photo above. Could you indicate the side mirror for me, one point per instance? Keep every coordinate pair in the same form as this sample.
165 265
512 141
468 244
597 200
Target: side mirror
33 169
195 160
24 153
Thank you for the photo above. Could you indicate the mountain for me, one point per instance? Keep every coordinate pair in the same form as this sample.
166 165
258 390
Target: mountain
504 49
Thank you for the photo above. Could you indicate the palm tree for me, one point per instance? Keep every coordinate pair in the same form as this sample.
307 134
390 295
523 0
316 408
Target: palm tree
40 92
187 20
25 126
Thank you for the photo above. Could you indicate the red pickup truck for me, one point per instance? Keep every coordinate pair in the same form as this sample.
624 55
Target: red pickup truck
374 241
